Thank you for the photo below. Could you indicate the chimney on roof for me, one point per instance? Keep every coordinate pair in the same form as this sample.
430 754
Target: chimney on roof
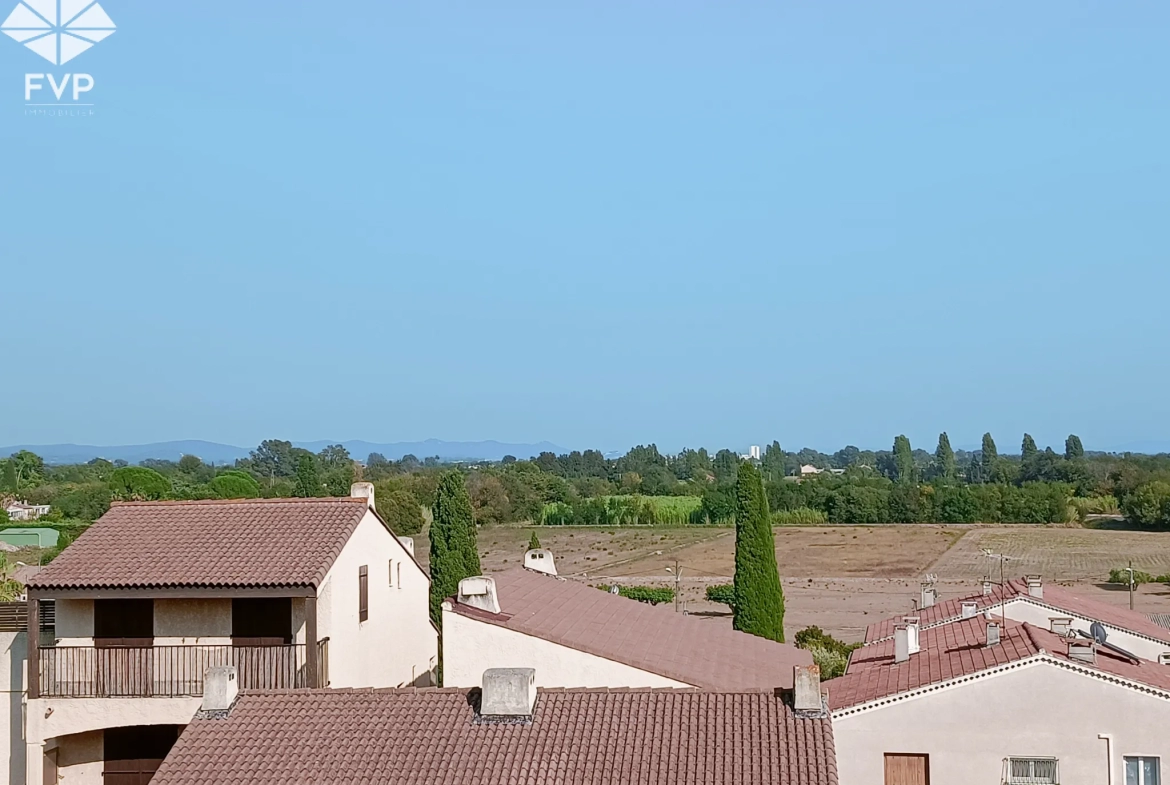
540 560
929 596
970 610
220 687
1081 650
1164 658
912 629
807 693
1035 586
508 692
987 588
363 490
992 633
479 592
901 643
408 543
1061 625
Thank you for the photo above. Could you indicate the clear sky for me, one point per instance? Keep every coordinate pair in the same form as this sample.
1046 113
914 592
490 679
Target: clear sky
597 223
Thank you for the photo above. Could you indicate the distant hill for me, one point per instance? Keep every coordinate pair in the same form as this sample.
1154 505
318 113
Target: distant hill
211 452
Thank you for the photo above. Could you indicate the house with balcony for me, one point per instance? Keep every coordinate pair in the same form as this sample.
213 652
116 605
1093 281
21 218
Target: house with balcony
295 594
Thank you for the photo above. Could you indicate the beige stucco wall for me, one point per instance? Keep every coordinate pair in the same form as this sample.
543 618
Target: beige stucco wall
1023 610
176 622
52 717
13 654
397 645
470 647
79 758
1034 710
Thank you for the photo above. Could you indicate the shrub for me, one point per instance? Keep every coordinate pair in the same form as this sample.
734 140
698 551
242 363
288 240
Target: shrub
832 662
1122 576
723 593
801 516
1148 504
1095 505
652 594
830 654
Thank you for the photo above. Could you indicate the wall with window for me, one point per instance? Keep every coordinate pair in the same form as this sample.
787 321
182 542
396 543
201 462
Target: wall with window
186 622
395 645
1036 710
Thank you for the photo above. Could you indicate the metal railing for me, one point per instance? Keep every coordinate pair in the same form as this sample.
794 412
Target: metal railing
168 671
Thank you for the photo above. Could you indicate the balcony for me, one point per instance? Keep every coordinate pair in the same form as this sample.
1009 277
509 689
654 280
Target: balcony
173 671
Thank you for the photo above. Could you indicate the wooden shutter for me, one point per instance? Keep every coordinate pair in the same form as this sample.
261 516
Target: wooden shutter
907 769
363 593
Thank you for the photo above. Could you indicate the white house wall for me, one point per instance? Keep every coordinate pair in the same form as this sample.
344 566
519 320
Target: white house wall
470 647
396 646
1022 610
1034 710
13 654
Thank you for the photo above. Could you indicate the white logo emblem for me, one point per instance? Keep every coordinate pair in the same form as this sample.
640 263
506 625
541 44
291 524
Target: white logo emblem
58 30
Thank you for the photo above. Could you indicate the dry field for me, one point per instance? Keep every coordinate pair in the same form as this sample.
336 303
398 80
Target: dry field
842 578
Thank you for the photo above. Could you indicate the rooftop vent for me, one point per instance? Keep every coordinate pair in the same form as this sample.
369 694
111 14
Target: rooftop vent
363 490
508 693
1035 586
1061 625
993 633
408 543
220 687
1082 651
479 592
929 596
1164 658
987 588
912 630
901 643
807 693
970 610
540 560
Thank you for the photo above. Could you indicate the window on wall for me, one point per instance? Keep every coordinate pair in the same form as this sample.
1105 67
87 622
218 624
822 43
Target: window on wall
391 568
363 593
1142 770
1031 771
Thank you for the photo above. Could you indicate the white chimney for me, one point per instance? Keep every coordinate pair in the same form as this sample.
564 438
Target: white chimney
929 595
408 543
992 633
912 630
1082 651
479 592
970 610
363 490
1035 586
807 693
1061 625
220 687
508 692
901 643
987 588
540 560
1164 658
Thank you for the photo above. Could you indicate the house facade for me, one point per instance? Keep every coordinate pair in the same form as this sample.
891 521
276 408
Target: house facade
22 511
295 594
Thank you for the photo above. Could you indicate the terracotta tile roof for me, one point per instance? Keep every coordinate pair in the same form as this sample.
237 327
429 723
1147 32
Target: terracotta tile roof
1057 598
238 543
706 654
958 649
576 737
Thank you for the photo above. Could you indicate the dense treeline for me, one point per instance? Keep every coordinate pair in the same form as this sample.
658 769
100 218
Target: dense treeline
902 484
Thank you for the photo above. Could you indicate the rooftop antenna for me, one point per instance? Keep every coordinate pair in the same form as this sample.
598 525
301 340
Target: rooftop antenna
1002 593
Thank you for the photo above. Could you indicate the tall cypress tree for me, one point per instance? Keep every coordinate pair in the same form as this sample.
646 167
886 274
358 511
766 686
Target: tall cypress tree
1073 449
454 555
1028 447
944 457
759 597
903 460
989 458
308 482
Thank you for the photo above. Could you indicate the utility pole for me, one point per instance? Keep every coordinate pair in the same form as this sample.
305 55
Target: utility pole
1129 569
677 584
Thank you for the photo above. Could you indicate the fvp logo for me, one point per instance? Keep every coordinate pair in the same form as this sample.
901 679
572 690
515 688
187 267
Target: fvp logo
58 30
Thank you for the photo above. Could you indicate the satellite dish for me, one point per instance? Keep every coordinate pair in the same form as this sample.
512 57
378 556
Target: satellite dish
1097 630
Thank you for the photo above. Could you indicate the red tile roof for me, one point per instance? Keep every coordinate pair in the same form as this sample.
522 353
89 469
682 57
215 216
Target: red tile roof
1057 598
707 654
950 651
238 543
576 737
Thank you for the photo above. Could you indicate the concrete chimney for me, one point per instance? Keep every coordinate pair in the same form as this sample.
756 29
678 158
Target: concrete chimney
220 687
929 596
1082 651
363 490
1061 625
901 643
1164 658
992 633
807 693
508 692
408 543
479 592
1035 586
970 610
540 560
912 630
987 588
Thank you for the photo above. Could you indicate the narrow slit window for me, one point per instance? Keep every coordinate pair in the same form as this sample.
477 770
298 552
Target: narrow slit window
363 593
391 564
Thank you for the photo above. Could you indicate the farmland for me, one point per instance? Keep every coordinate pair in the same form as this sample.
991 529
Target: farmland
842 577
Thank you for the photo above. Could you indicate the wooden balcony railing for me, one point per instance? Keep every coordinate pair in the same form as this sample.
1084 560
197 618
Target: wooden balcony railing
170 671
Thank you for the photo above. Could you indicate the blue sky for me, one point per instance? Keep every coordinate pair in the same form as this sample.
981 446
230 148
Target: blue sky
595 223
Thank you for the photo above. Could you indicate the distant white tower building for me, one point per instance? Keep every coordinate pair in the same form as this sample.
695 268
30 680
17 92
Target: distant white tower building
754 452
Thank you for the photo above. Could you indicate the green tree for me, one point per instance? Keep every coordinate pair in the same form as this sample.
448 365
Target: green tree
29 467
454 555
138 483
759 597
333 456
10 481
234 485
988 458
534 542
1028 448
903 460
1073 450
401 511
307 484
944 458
